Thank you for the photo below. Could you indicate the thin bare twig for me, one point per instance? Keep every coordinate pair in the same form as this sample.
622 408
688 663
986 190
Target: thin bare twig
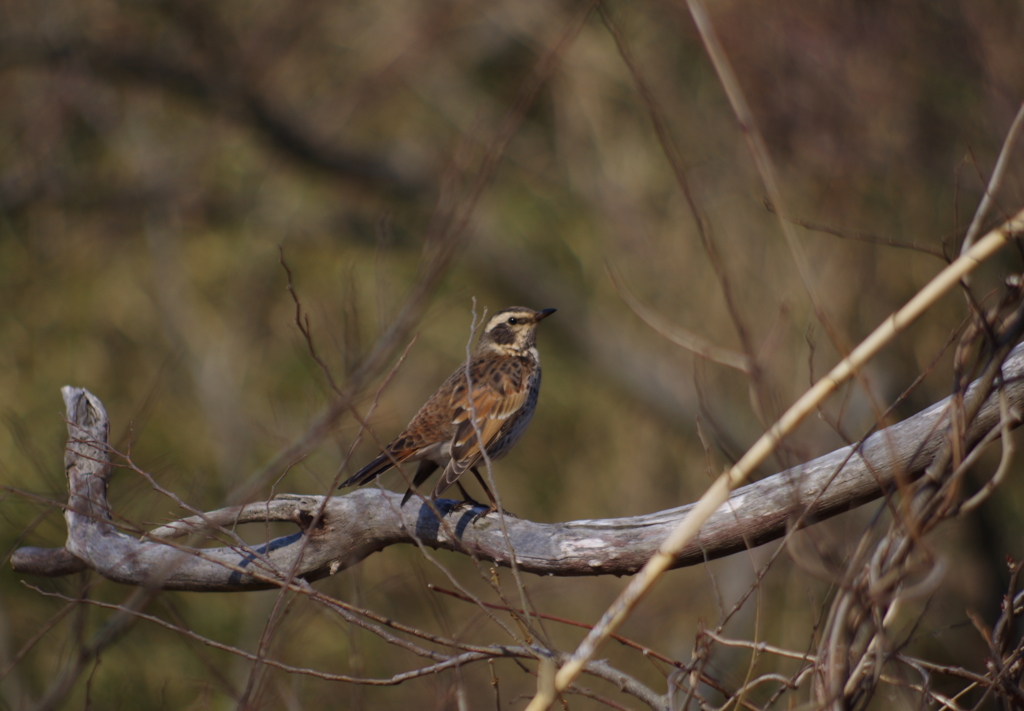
689 340
946 280
995 181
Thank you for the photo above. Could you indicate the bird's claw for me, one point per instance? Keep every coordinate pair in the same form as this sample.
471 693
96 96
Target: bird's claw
471 503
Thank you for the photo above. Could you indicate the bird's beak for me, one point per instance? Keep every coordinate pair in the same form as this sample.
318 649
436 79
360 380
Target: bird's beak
541 315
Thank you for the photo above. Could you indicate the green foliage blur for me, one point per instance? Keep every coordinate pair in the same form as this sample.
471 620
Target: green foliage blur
157 161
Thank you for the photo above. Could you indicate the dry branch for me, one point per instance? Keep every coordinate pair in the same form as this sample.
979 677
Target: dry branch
185 78
368 520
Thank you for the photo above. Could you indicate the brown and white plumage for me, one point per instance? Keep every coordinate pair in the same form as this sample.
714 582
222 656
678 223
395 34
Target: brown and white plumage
492 406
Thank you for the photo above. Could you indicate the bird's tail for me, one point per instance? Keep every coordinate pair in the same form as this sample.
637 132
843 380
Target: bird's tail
371 471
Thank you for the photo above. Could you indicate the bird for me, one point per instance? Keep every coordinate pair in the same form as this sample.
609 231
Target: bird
492 406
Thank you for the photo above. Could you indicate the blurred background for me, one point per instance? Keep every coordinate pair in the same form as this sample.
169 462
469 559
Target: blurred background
157 160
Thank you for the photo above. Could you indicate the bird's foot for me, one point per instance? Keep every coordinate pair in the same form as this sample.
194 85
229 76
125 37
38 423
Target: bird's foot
486 510
472 503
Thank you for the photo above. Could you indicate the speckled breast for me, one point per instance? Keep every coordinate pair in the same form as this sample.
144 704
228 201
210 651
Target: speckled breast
516 425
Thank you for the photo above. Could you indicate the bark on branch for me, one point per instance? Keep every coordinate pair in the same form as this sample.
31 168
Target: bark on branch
342 530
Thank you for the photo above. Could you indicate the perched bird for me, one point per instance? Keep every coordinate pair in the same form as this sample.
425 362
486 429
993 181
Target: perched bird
493 406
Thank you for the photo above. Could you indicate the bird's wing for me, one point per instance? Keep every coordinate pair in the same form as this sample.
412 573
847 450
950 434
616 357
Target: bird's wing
498 394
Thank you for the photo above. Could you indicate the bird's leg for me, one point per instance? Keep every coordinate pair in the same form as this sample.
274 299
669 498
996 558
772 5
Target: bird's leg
490 497
423 471
467 500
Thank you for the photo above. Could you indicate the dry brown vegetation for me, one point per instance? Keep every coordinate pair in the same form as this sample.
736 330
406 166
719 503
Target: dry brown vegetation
159 161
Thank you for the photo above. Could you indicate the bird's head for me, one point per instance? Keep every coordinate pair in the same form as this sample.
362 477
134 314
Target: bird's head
513 331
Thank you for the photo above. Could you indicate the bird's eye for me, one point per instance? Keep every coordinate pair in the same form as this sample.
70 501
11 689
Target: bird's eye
512 321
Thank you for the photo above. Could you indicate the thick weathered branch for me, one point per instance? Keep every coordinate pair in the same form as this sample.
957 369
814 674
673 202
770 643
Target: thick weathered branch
369 520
